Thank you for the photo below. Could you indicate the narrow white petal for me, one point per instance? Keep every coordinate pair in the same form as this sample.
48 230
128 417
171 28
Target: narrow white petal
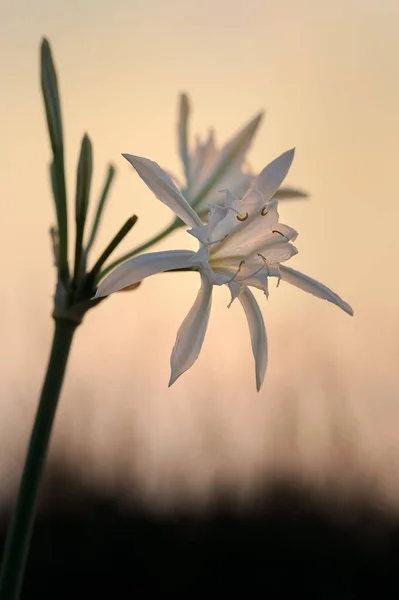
307 284
192 331
269 180
229 158
237 146
279 252
163 188
142 266
258 334
202 160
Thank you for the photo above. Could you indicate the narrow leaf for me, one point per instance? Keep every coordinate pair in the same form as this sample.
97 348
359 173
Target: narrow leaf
184 111
83 184
101 206
57 171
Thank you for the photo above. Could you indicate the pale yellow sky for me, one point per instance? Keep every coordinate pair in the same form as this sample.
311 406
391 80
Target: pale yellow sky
327 74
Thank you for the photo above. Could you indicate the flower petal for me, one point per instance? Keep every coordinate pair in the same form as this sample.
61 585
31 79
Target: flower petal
230 157
163 188
269 180
258 334
142 266
307 284
278 251
255 235
192 331
246 236
202 160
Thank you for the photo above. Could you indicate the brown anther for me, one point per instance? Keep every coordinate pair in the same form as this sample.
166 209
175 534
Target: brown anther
277 231
244 218
264 211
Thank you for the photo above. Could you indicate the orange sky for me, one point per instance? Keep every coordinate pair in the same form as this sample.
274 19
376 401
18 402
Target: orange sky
328 75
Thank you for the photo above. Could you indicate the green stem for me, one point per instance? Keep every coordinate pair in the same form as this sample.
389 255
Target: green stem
141 248
124 230
20 529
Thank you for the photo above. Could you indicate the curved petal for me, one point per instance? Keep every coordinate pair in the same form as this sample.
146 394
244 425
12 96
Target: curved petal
278 252
260 236
269 180
163 188
142 266
307 284
192 331
258 334
243 238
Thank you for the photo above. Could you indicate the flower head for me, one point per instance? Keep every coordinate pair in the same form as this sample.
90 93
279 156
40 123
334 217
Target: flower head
209 168
241 246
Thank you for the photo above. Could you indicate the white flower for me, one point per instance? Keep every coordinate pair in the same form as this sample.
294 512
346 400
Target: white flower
209 168
241 245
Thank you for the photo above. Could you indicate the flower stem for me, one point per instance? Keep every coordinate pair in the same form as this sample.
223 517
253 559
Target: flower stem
20 529
147 244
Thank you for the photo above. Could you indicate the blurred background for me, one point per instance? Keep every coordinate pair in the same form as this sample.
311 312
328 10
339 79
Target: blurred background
327 74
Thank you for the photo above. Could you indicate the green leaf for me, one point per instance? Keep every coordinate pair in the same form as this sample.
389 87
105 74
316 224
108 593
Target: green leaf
184 112
114 243
100 207
288 193
51 98
54 124
83 184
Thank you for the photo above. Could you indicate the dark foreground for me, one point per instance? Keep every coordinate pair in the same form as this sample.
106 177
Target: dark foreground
290 545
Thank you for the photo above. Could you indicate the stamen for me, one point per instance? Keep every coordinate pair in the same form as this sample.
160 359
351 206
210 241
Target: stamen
239 216
265 266
277 231
236 273
264 211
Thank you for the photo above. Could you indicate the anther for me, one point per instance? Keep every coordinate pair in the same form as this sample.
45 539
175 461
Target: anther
257 270
264 211
277 231
244 218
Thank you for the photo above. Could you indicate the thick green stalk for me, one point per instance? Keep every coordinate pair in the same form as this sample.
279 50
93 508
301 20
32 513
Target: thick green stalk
20 529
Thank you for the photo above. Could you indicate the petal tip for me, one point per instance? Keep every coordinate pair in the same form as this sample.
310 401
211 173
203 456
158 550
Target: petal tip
129 158
259 116
348 309
98 294
173 378
260 377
